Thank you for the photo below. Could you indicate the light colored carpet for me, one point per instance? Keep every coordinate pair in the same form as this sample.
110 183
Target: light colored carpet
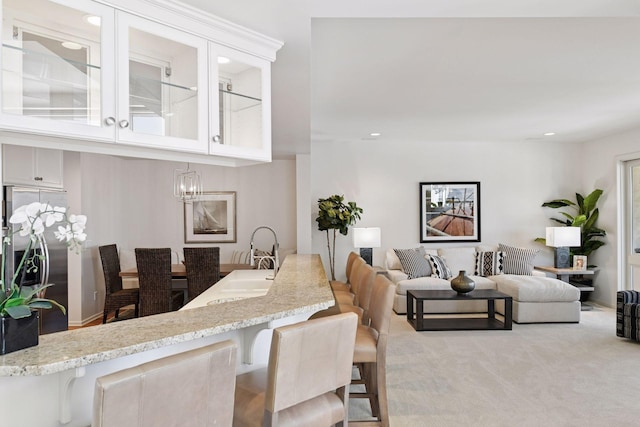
535 375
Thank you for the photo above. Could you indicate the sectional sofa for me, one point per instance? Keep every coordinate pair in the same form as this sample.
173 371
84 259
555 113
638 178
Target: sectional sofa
536 298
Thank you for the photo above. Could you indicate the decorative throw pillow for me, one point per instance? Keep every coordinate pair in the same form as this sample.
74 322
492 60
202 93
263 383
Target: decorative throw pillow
489 263
439 267
518 260
414 263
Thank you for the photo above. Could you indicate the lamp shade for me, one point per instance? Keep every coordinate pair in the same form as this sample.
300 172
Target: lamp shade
563 236
368 237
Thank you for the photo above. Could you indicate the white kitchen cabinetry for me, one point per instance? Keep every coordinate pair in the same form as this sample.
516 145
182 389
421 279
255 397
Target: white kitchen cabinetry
240 94
57 68
31 166
156 84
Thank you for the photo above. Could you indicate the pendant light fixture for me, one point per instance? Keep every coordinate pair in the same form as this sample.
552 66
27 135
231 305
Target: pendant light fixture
187 185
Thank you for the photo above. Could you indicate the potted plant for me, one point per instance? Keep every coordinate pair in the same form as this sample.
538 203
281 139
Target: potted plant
18 318
585 216
335 215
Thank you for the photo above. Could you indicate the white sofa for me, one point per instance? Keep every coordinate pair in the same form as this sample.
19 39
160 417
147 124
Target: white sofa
536 298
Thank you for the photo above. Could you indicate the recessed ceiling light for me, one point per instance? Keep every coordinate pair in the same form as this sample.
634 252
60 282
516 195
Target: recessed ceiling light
223 60
375 134
71 45
549 134
93 20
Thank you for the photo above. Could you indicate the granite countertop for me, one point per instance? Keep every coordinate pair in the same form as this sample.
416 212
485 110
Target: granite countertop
300 286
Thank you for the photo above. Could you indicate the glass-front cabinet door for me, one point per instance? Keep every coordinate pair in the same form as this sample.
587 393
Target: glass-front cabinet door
240 121
162 86
57 67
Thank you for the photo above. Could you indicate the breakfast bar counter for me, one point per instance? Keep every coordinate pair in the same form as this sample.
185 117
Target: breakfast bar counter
79 356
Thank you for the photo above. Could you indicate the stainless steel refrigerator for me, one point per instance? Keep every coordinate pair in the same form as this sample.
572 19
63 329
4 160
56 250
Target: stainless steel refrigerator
52 320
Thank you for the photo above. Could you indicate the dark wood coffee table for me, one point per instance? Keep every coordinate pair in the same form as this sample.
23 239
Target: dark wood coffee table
451 323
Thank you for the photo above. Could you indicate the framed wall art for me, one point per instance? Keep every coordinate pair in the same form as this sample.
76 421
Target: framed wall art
449 212
211 218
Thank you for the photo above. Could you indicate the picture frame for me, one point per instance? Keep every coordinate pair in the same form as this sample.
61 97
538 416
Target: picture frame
580 262
211 218
449 212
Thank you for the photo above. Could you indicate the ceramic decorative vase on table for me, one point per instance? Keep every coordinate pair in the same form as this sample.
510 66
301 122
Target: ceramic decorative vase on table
462 283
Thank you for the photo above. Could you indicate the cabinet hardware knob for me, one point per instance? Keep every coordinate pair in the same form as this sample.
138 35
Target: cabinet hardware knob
37 178
110 121
216 138
124 124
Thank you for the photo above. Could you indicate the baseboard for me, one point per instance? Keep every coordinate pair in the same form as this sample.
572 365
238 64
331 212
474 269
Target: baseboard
85 321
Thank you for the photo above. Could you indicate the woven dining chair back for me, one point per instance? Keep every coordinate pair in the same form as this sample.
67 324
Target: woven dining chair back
115 297
154 278
203 269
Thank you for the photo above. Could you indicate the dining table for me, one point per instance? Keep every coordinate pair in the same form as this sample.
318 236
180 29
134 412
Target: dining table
179 271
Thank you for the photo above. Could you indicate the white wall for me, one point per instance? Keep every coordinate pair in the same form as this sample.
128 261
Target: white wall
600 171
130 202
383 178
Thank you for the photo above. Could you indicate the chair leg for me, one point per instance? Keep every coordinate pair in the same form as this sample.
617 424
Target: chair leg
104 316
136 311
117 313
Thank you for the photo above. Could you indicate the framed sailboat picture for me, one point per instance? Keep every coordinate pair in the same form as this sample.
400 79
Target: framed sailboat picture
449 212
211 218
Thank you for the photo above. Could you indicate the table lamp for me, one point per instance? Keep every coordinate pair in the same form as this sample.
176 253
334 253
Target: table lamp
366 239
561 238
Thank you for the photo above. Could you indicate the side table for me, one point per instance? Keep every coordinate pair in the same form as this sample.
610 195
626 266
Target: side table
564 274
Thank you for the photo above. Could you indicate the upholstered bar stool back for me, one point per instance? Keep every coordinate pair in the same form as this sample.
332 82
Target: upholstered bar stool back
154 278
115 297
337 285
203 269
307 380
194 388
371 348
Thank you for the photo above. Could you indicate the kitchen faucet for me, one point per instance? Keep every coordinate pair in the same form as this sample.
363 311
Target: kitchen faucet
276 246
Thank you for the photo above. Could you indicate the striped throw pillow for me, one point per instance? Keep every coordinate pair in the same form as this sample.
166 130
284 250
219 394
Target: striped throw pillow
518 260
414 263
489 263
439 267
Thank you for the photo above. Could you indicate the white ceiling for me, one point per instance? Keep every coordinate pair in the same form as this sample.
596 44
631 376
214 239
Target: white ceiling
497 70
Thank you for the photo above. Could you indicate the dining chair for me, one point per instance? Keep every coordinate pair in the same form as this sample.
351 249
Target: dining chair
193 388
370 354
115 296
203 269
154 278
307 380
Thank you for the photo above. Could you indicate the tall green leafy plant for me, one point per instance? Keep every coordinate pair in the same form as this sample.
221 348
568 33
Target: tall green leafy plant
584 214
334 215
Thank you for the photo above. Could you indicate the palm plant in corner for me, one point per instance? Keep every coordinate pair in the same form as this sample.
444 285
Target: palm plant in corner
334 215
585 216
18 317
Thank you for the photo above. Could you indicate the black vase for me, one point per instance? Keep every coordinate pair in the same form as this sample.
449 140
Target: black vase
462 283
18 334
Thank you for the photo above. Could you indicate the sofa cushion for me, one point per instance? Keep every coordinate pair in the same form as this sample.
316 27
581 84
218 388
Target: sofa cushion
439 268
414 262
535 289
489 263
518 260
459 258
422 283
433 283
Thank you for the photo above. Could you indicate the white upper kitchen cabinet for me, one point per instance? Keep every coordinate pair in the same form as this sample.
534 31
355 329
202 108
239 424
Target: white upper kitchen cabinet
40 167
171 83
240 104
163 102
57 68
